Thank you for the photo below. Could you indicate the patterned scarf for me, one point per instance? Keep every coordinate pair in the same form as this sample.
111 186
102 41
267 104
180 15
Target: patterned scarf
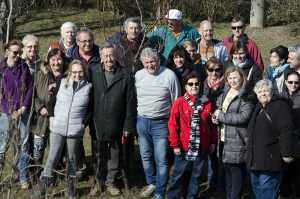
215 85
194 143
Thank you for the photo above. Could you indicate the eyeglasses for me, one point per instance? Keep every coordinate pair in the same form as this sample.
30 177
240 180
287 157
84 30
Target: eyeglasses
236 27
293 82
17 52
193 84
34 46
77 72
86 41
217 70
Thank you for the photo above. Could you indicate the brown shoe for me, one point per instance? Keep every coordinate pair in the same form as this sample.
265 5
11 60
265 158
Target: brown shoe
97 189
113 190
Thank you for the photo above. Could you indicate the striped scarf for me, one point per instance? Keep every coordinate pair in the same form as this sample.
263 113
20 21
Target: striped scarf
195 140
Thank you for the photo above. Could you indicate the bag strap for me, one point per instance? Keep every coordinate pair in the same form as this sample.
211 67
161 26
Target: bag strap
205 124
269 119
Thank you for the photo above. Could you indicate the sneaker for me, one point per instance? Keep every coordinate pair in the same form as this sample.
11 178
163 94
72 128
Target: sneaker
113 190
97 189
25 185
149 191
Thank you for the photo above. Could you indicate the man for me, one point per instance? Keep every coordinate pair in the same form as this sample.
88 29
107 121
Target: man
114 108
130 43
208 46
67 40
294 57
85 50
175 33
157 87
238 28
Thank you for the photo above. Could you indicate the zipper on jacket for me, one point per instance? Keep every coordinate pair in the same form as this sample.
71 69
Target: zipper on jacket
69 112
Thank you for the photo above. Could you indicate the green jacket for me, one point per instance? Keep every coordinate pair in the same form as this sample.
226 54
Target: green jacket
162 38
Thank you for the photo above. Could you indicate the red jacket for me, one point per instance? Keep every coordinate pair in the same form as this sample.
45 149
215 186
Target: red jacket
252 48
180 120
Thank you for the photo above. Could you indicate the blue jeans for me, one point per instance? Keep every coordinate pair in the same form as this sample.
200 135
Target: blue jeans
57 143
265 184
153 143
212 170
181 165
8 129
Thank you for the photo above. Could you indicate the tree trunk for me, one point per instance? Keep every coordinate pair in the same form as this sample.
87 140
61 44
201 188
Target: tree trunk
257 13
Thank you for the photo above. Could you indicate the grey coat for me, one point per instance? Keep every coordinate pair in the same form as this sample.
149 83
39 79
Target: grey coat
235 120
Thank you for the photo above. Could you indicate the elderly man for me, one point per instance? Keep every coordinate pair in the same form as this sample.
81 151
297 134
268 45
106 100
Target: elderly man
208 46
157 87
175 33
129 44
238 28
67 40
114 108
294 57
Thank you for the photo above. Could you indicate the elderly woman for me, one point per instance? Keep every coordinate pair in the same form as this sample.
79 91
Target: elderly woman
192 136
51 71
270 141
278 68
31 52
67 41
15 96
67 110
180 63
292 175
233 113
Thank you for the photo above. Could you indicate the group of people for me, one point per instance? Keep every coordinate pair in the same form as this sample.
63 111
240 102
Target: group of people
185 95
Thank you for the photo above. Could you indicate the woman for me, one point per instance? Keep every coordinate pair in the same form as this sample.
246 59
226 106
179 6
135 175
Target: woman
51 72
292 175
180 63
16 92
233 115
191 47
278 68
31 52
213 87
189 125
67 110
270 141
240 57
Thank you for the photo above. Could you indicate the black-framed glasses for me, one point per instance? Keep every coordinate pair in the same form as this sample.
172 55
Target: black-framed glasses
217 70
191 84
236 27
293 82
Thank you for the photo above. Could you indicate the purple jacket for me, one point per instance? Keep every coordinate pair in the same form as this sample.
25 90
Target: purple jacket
16 86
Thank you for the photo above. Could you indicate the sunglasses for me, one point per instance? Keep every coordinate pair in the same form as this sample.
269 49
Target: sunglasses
217 70
17 52
236 27
295 82
193 84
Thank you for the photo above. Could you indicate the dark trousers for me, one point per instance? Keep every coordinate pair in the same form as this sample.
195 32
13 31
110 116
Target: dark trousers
291 178
108 161
235 175
180 166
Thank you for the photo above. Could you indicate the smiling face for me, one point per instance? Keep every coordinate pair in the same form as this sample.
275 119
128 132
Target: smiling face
178 61
275 60
68 35
77 71
13 53
294 61
108 58
31 49
85 42
56 63
206 31
214 71
192 86
292 83
264 95
151 64
192 52
235 80
239 56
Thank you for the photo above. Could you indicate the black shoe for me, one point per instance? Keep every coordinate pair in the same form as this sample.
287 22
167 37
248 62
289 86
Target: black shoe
71 193
207 192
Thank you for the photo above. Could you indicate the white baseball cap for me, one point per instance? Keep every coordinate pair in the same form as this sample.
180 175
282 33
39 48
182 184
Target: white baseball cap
174 14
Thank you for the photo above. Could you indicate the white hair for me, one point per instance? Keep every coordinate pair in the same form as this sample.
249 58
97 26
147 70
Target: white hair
68 25
28 38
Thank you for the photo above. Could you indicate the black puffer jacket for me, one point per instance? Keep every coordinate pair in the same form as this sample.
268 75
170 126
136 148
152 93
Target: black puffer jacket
114 106
268 143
